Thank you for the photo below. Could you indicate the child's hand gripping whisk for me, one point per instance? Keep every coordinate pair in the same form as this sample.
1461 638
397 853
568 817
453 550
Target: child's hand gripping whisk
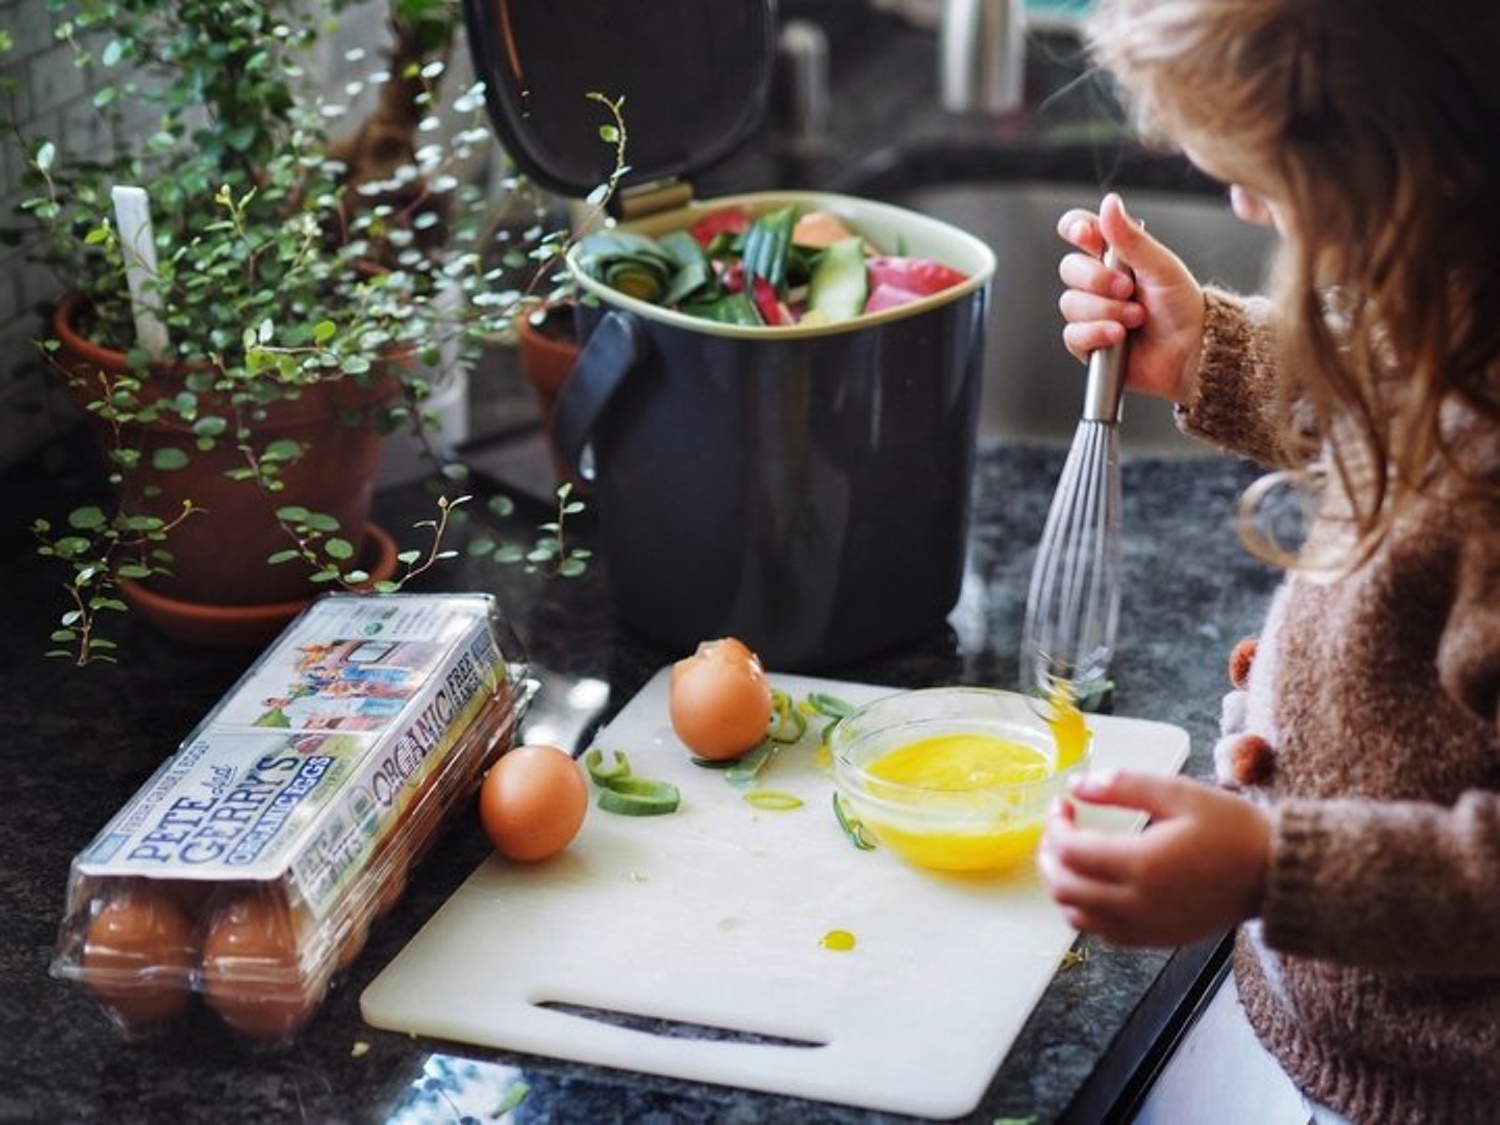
1073 605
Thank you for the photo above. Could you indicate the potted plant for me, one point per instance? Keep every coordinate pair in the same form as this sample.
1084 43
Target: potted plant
249 307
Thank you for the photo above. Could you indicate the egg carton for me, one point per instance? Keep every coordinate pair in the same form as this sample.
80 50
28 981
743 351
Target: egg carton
247 871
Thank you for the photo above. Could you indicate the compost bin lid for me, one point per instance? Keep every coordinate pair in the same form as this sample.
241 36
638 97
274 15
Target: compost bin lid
695 76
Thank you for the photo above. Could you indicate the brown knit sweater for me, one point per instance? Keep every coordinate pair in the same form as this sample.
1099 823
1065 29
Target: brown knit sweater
1373 972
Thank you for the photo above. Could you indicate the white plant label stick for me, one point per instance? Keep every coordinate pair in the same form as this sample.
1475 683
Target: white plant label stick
138 241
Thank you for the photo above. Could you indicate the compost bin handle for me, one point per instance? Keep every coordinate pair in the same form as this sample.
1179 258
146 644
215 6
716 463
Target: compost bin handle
615 346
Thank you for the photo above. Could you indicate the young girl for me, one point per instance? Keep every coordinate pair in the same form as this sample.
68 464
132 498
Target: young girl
1355 840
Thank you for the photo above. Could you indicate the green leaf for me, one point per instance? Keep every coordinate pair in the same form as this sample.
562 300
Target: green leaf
46 153
168 460
292 513
283 557
282 450
339 548
86 519
72 546
324 331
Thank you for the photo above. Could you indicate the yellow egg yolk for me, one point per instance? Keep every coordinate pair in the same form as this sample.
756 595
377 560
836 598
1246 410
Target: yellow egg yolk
994 834
1069 729
961 763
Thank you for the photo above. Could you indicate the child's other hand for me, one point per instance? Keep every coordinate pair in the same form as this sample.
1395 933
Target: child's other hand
1163 306
1198 869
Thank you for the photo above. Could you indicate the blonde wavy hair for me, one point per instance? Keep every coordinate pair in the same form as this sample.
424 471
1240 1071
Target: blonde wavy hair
1375 124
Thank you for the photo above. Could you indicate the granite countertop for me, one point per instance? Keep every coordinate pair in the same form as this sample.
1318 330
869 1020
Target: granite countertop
81 741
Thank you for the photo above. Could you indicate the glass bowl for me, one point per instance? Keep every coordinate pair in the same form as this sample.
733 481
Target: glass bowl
954 779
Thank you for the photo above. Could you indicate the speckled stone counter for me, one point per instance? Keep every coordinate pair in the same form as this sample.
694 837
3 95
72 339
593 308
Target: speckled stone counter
79 742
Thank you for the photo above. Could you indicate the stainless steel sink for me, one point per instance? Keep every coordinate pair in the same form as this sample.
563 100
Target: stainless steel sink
1012 199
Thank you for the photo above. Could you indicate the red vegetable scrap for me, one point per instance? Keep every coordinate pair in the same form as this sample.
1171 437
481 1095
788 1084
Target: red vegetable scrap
730 220
888 296
899 281
772 310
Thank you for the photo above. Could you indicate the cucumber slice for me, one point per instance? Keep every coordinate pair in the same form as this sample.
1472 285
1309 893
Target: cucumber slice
838 288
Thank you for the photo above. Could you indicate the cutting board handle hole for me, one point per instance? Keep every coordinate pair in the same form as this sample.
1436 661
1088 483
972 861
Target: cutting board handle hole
670 1028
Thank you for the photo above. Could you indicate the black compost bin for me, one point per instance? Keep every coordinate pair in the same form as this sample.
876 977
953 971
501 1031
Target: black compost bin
806 488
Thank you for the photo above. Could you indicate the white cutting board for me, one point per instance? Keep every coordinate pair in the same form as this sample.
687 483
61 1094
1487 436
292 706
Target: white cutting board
714 916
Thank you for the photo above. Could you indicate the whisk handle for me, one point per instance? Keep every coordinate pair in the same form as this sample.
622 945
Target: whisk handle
1106 378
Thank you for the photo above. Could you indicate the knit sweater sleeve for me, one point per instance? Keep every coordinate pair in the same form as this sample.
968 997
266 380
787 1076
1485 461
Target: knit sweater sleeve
1236 405
1386 885
1406 885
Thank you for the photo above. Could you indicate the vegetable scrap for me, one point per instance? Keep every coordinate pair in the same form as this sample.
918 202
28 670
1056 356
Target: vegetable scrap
788 724
773 799
852 827
779 268
514 1095
622 793
1073 958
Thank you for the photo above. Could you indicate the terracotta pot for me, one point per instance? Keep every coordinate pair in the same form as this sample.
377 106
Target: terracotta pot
220 553
548 347
244 626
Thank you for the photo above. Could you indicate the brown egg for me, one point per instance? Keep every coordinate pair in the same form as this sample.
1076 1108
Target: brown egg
533 802
351 944
138 956
389 870
719 700
252 971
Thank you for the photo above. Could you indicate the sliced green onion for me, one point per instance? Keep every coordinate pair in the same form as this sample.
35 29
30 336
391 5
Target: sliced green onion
773 799
514 1095
747 767
603 775
788 724
830 705
712 763
638 796
851 826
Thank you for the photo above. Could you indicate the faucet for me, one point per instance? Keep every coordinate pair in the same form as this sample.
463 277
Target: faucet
982 56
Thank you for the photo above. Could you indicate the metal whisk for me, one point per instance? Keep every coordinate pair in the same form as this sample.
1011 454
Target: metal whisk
1073 605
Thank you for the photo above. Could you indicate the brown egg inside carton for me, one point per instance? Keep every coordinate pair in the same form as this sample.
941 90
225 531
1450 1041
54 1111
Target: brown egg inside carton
386 874
259 958
265 964
139 953
388 871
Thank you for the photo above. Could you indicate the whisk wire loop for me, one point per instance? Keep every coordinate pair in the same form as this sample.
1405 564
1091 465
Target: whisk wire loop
1073 603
